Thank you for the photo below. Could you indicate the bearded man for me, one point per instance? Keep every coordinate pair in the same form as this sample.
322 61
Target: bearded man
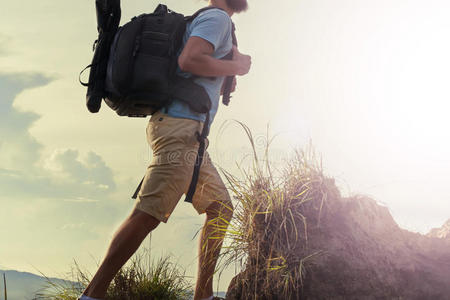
207 39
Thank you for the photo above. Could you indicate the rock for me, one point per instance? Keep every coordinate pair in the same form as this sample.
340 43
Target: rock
441 233
364 254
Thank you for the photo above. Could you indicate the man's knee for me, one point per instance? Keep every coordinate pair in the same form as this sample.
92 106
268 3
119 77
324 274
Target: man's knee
221 208
148 221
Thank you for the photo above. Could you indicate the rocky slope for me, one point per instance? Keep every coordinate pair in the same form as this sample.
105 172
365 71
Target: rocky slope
441 233
364 254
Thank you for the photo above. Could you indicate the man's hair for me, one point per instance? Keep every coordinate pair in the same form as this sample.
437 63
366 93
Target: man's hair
236 5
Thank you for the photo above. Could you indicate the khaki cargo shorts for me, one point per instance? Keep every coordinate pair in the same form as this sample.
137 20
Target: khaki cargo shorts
169 174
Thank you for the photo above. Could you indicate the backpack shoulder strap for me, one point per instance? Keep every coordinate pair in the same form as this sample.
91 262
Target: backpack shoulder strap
229 79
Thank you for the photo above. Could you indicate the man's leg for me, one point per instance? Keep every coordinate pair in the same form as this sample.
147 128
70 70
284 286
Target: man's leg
124 244
211 240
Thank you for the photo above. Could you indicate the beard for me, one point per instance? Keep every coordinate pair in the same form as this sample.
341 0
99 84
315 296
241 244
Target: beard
237 5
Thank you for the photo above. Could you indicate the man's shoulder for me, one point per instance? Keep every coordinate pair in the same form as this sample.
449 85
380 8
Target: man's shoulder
214 13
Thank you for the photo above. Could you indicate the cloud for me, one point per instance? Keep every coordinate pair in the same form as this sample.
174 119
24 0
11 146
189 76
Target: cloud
18 148
89 173
81 200
65 175
73 226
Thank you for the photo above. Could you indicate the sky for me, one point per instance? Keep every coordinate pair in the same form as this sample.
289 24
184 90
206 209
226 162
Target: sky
366 81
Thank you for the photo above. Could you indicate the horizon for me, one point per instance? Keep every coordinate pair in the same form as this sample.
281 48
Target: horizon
367 82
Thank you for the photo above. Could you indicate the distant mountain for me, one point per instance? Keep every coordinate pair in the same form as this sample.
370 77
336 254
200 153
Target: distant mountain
23 285
442 232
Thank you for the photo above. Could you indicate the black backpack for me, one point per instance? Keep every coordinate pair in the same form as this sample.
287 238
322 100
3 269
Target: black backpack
134 66
141 76
136 76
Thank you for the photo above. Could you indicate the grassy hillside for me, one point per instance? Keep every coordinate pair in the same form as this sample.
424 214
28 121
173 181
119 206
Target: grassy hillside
298 238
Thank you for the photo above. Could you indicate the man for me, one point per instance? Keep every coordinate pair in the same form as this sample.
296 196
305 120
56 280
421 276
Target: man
171 135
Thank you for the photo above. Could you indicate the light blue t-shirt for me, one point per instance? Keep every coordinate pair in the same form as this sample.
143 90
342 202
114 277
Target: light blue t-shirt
213 25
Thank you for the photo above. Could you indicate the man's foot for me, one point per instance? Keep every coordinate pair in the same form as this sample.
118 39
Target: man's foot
213 298
84 297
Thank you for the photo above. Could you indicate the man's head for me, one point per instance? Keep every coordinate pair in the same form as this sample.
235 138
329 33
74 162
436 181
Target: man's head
236 6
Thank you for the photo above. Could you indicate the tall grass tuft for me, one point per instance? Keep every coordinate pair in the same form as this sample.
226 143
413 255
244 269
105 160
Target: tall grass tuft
268 234
163 280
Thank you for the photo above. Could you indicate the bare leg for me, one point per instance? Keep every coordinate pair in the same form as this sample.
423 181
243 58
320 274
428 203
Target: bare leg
209 248
124 244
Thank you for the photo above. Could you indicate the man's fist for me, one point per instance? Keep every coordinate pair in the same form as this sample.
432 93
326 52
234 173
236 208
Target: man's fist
243 62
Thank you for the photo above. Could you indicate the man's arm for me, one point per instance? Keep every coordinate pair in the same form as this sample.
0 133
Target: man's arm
196 59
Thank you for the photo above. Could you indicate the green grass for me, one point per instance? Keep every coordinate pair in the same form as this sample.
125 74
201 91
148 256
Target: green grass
163 280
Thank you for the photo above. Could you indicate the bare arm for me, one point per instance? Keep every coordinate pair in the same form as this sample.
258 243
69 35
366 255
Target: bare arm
196 59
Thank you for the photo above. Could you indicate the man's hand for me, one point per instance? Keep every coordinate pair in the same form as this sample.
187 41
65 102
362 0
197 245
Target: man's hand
242 61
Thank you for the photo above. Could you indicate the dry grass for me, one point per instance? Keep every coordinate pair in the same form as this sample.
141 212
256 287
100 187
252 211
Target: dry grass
4 286
269 231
